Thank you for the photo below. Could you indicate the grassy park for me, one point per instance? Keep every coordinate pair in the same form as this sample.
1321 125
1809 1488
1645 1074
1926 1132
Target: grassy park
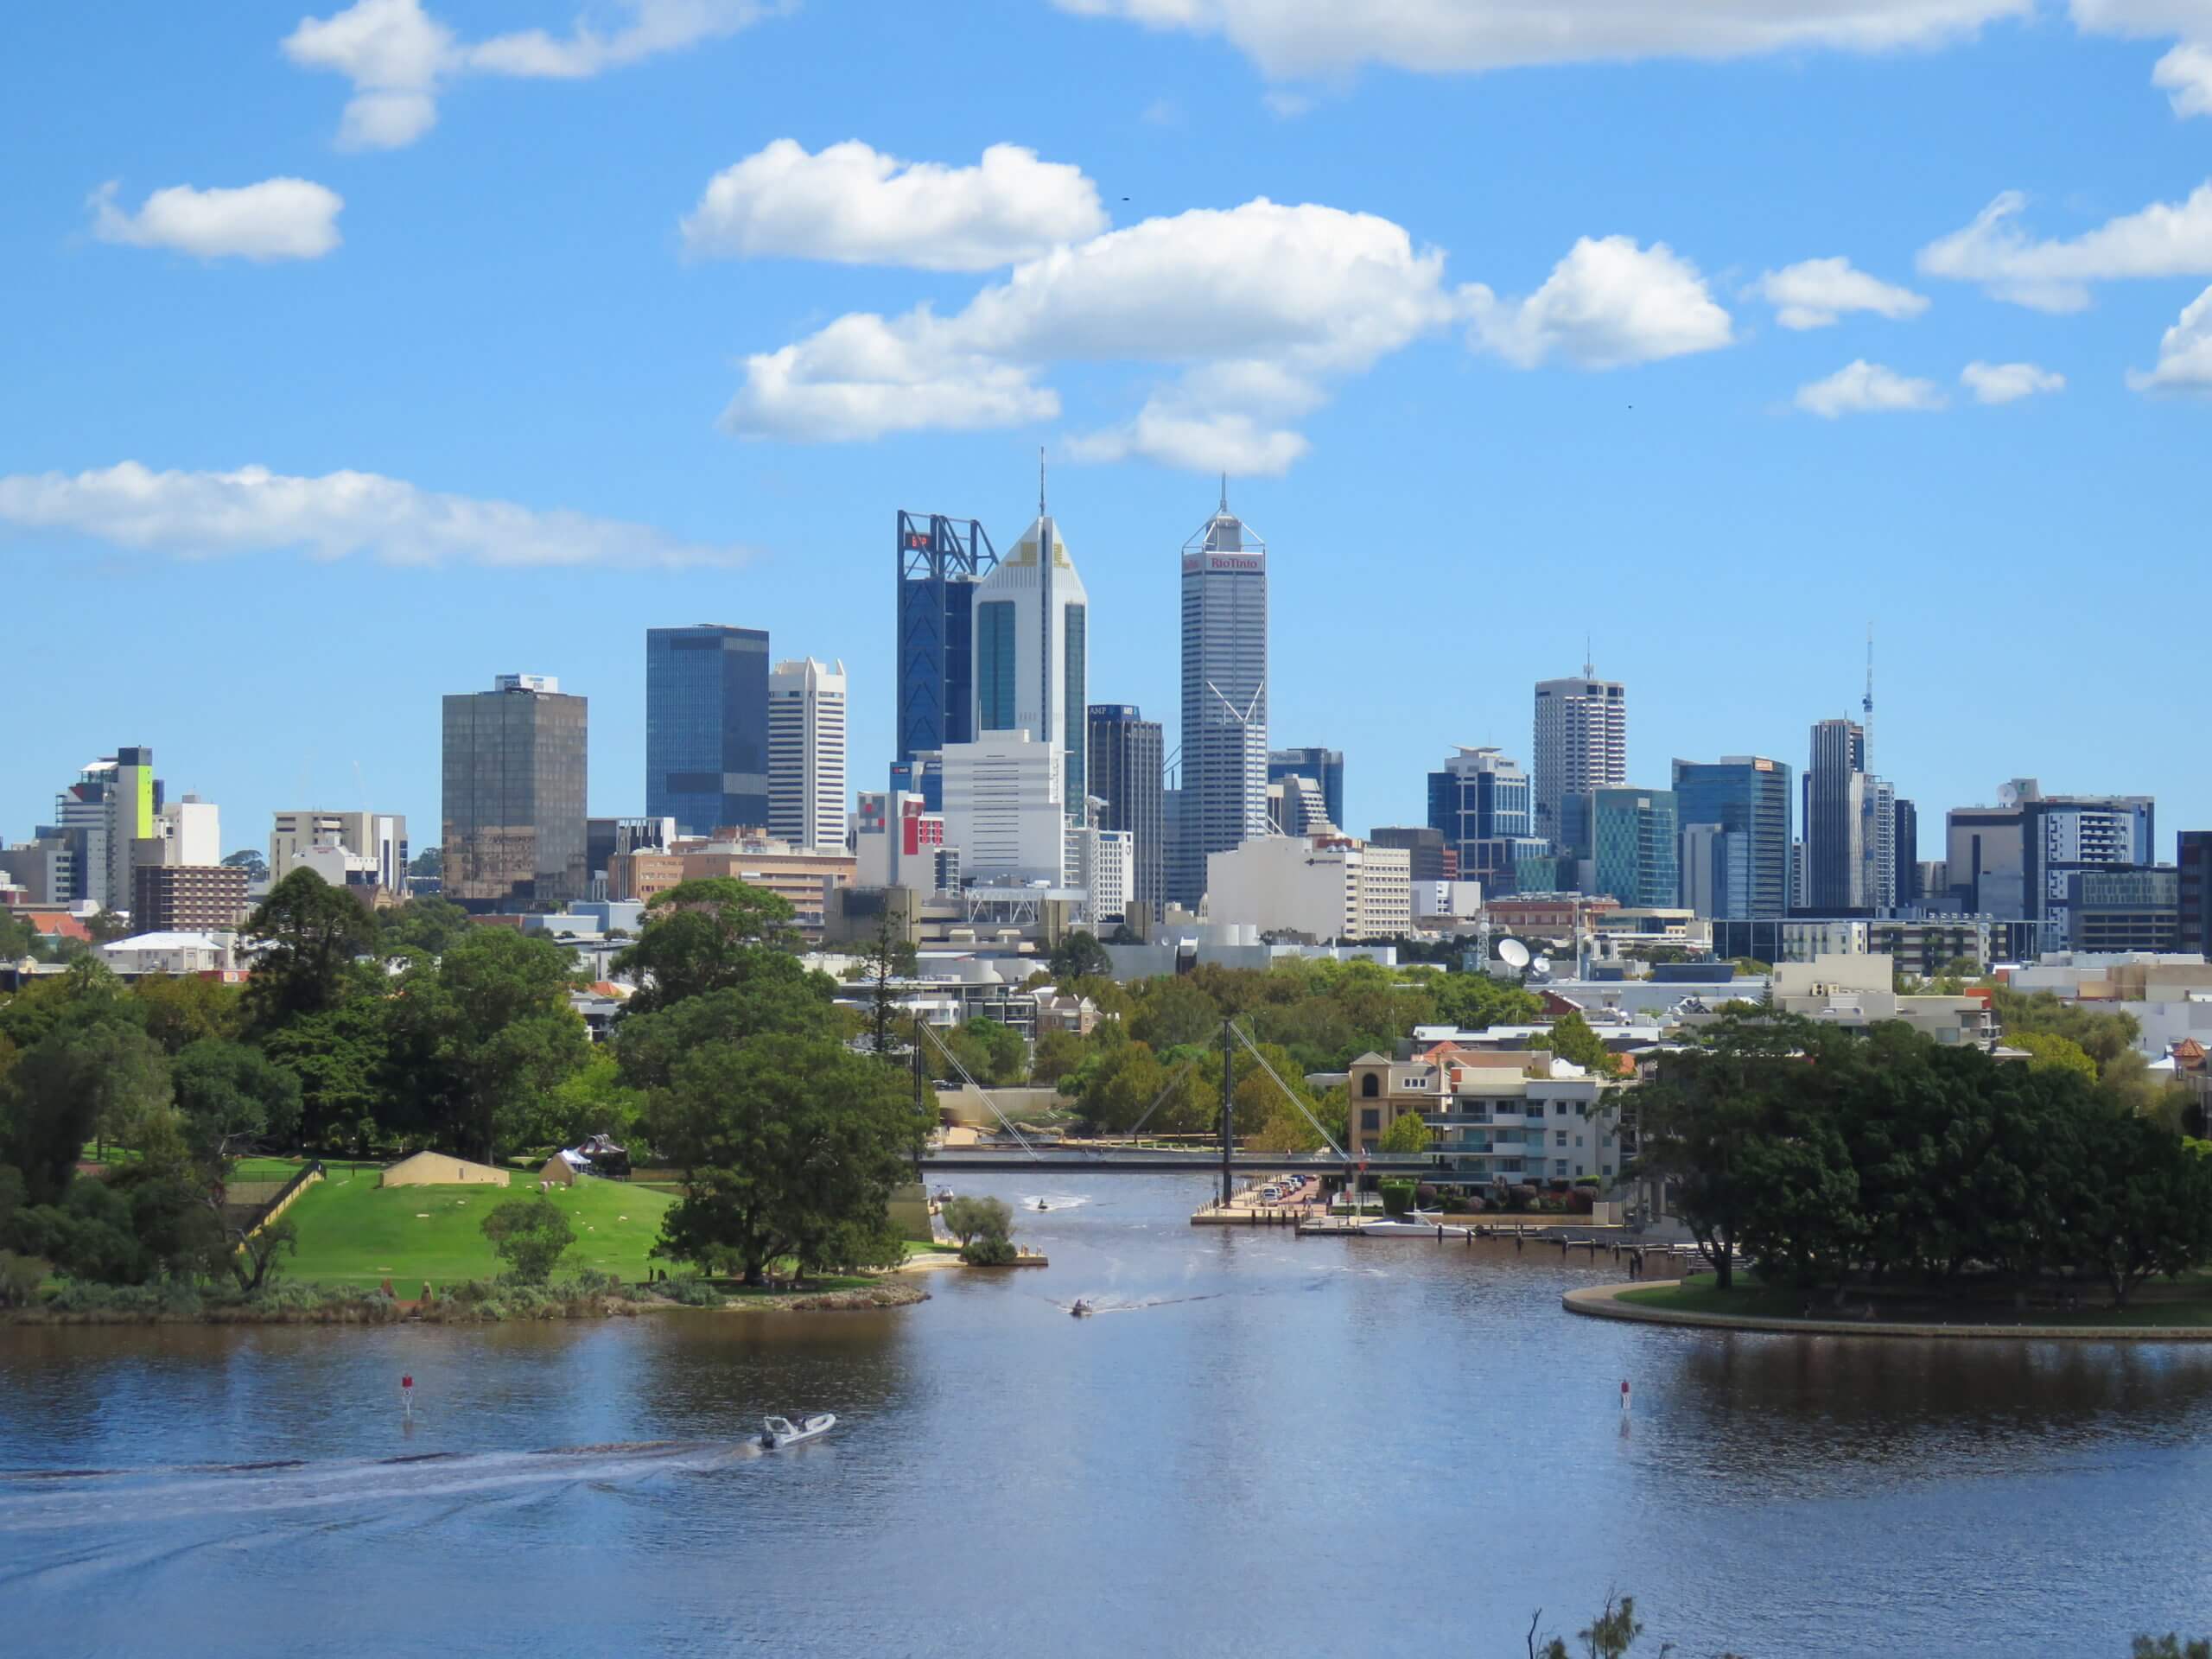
354 1232
2183 1304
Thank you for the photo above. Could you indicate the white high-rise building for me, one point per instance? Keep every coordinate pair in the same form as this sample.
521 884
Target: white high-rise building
1032 674
1581 745
806 755
1003 808
1223 791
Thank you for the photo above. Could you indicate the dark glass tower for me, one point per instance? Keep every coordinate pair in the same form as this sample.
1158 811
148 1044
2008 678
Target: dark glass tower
514 789
707 727
1125 758
1324 766
941 560
1747 796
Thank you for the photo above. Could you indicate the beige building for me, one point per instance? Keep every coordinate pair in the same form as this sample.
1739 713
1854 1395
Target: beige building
344 848
802 877
1491 1116
440 1169
1326 888
1861 990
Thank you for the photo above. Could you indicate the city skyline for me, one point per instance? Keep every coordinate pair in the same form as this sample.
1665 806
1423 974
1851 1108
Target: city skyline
1733 514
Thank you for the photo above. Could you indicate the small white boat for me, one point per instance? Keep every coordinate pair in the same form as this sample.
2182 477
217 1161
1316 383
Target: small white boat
1410 1229
1082 1310
777 1432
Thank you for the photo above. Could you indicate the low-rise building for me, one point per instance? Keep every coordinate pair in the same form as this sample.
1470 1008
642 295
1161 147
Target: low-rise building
1536 1122
171 953
803 878
1856 991
188 897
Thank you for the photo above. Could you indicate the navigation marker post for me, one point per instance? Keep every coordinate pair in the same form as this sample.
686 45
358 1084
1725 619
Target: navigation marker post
407 1395
1624 1396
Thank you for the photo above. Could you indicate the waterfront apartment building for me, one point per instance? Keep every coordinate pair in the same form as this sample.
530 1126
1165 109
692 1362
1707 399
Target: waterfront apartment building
375 843
1581 744
941 562
514 780
1331 889
1489 1120
806 755
1743 866
1224 796
1126 757
707 727
1324 766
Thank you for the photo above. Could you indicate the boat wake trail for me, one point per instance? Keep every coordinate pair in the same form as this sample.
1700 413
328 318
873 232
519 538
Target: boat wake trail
55 1500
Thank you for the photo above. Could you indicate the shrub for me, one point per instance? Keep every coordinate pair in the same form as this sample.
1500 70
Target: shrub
692 1291
1397 1196
590 1281
529 1234
990 1253
20 1278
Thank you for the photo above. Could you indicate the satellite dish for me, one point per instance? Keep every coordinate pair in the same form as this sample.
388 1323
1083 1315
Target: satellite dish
1514 954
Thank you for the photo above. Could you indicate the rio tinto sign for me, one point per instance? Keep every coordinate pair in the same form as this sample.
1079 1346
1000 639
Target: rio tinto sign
1253 561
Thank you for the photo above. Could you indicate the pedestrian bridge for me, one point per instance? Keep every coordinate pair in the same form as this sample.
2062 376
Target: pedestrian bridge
1152 1161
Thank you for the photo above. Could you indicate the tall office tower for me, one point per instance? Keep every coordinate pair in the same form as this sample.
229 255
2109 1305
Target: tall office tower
515 778
1324 766
707 727
2193 855
2012 861
1581 745
806 755
942 561
1635 848
1125 754
1747 796
1878 839
1906 817
1224 774
1032 656
1835 826
1479 795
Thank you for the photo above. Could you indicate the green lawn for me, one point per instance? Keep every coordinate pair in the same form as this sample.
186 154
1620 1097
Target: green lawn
354 1232
2186 1304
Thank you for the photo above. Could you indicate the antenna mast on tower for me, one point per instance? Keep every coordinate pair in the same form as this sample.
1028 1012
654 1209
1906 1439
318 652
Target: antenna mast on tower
1867 706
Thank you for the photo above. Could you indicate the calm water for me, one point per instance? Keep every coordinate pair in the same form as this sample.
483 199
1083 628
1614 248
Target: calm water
1265 1443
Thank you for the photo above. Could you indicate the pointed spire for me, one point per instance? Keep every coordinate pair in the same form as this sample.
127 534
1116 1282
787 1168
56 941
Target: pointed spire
1224 495
1040 480
1589 666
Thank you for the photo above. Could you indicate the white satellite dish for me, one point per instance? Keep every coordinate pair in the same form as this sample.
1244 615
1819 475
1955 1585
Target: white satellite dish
1514 954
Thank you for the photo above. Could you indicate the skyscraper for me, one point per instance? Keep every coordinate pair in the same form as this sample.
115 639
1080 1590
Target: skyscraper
1747 797
1324 766
1480 802
1032 654
514 791
1225 732
707 727
2193 853
112 804
1907 837
1125 754
941 562
806 755
2012 860
1581 745
1835 826
1635 846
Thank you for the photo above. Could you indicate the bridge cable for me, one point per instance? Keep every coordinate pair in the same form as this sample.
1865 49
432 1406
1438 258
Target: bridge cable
1288 1094
1176 1079
967 1078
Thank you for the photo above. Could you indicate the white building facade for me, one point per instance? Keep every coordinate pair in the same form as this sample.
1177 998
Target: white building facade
1222 798
374 845
1003 808
806 755
1031 659
1581 745
1326 887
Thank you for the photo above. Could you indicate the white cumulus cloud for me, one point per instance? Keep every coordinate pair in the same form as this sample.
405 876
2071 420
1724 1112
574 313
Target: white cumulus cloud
2164 239
1609 303
1815 293
2184 354
2007 383
1325 37
2184 74
205 515
1254 308
277 218
854 204
1864 388
400 58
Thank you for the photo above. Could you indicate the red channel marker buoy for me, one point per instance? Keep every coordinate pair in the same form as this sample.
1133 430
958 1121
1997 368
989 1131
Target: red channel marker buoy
407 1392
1624 1396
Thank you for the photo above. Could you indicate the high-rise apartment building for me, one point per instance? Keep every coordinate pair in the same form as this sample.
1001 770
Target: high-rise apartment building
373 843
1835 818
1125 755
707 727
515 775
1906 818
1032 658
169 897
1878 843
1581 745
941 562
1225 732
1747 796
806 755
2012 860
1635 846
1324 766
98 820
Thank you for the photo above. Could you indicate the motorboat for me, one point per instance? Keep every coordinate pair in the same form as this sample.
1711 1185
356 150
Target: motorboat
1041 1205
1410 1229
1081 1309
777 1432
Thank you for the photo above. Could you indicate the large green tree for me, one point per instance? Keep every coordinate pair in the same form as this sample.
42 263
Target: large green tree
704 936
306 933
483 1038
228 1096
1078 954
783 1141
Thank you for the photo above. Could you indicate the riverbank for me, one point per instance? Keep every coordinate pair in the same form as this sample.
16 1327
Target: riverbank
1690 1305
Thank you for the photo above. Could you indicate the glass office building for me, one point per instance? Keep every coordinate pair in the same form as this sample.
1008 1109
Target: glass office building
514 790
1635 849
1125 761
941 561
1747 796
1324 766
707 727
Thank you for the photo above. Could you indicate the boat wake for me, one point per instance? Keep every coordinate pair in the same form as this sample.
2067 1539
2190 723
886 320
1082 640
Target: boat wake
38 1500
1051 1201
1091 1305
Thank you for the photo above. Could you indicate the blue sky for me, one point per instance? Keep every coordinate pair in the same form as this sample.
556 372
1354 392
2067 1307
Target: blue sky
1502 365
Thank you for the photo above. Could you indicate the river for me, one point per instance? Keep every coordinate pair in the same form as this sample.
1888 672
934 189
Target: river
1261 1443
